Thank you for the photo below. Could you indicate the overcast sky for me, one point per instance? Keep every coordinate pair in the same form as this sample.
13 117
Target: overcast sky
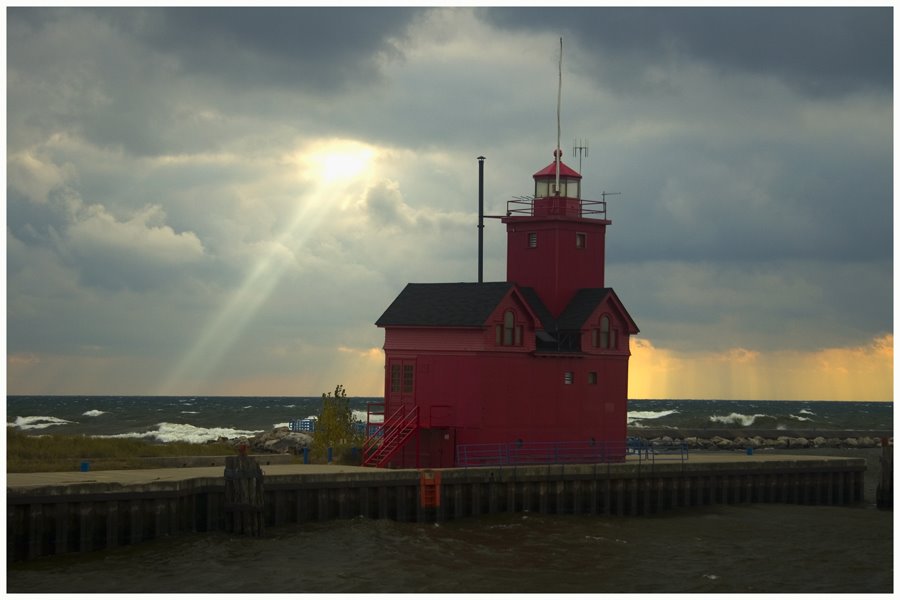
223 201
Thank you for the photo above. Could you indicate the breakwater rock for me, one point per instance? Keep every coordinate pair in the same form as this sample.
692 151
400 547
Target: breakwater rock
780 442
280 440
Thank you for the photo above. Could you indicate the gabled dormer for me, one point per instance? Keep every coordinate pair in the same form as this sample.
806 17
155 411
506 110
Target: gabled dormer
513 323
603 324
594 322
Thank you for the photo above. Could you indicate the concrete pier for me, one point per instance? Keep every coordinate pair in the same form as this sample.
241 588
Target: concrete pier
57 513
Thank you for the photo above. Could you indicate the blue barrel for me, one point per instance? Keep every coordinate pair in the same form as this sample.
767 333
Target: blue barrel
749 451
85 466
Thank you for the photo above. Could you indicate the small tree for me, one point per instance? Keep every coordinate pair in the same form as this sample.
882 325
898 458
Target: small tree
335 428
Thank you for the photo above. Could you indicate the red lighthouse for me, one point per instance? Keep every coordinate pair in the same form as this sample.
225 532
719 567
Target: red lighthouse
533 369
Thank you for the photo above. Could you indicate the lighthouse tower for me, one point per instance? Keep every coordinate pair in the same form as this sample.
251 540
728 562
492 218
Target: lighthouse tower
556 242
514 371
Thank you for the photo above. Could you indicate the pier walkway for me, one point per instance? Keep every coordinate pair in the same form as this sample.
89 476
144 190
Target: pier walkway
19 482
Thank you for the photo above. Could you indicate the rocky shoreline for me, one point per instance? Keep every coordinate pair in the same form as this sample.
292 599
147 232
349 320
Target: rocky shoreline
782 442
282 440
741 439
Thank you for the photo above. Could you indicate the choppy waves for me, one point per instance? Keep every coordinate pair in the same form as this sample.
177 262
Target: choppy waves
180 432
635 417
162 419
737 419
25 423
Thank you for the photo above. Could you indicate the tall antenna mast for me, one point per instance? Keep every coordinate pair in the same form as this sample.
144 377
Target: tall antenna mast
558 102
580 149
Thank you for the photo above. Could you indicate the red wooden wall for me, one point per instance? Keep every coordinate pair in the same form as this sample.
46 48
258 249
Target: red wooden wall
556 268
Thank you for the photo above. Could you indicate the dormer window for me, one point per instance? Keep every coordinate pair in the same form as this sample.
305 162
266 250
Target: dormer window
509 333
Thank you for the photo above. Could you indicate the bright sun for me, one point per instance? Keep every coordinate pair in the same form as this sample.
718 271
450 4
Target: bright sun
337 160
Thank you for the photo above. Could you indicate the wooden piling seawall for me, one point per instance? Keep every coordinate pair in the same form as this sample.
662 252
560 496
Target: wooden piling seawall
884 493
93 515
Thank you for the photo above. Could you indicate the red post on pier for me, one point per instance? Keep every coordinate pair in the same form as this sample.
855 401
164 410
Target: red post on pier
429 489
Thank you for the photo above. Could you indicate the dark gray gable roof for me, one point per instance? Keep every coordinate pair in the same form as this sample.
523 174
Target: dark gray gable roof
444 304
540 309
580 307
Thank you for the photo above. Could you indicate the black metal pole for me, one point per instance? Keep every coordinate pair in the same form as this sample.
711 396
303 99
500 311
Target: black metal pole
480 219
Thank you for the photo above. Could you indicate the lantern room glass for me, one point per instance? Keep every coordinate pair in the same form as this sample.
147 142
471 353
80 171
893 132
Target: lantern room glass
568 187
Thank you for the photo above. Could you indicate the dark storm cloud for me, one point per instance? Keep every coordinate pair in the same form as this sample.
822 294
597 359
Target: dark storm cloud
148 80
790 201
817 50
322 48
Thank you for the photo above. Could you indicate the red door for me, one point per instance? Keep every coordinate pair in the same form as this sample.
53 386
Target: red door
438 449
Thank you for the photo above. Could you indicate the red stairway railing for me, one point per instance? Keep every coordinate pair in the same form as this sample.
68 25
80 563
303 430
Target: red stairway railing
389 439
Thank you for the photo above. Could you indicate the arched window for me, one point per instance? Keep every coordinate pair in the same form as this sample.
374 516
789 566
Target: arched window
605 336
509 327
604 332
509 333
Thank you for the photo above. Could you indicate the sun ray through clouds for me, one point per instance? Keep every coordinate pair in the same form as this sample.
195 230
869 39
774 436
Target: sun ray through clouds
337 169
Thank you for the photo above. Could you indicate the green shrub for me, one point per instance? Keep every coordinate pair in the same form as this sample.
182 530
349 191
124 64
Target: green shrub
335 429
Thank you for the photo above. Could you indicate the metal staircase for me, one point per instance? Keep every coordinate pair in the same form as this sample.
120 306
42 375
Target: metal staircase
386 441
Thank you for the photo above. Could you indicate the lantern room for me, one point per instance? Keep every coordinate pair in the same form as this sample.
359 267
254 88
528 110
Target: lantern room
546 184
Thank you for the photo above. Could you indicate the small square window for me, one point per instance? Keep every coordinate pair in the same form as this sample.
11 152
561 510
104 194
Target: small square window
532 240
580 240
592 377
569 378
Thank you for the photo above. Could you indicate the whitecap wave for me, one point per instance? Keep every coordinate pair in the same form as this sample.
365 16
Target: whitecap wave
640 415
799 418
736 419
94 413
806 411
190 412
182 432
38 422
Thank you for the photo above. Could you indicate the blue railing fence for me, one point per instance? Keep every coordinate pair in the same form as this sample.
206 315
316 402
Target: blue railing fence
584 452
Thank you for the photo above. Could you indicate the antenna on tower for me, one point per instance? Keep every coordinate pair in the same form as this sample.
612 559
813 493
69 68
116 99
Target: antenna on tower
580 149
558 102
